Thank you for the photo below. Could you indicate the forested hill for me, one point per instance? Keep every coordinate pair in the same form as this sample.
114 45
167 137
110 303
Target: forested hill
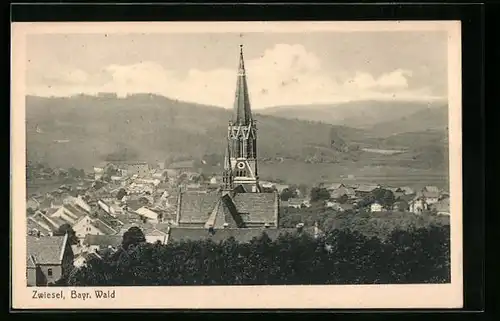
82 130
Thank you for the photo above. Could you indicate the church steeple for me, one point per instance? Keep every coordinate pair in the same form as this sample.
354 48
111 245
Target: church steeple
242 113
227 175
242 137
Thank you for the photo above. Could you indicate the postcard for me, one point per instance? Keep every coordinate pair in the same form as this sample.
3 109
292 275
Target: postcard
242 165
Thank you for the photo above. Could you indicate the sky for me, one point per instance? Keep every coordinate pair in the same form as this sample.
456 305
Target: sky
282 68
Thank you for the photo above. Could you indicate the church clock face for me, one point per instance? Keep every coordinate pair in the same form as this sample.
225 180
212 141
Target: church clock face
240 165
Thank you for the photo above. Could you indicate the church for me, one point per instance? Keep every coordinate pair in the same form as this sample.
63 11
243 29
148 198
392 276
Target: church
240 202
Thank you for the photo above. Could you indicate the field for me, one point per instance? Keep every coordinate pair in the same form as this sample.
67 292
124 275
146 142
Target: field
311 174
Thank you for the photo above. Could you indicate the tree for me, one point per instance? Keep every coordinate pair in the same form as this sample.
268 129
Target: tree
288 193
76 173
66 228
384 197
343 199
121 193
319 194
133 236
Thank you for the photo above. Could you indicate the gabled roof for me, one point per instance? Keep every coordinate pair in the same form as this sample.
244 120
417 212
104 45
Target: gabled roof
34 224
146 212
154 232
366 188
196 207
244 207
430 188
427 194
103 227
76 210
47 249
224 213
261 207
442 205
334 186
52 223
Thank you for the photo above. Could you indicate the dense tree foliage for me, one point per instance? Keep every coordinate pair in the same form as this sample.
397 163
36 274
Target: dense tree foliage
66 228
319 194
133 237
288 193
418 255
379 224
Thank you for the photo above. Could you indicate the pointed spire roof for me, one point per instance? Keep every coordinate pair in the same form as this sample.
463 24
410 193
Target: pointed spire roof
242 113
227 157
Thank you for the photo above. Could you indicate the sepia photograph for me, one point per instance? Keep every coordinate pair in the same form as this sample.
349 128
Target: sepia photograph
233 165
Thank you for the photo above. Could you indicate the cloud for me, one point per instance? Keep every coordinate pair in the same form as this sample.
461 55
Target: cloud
282 75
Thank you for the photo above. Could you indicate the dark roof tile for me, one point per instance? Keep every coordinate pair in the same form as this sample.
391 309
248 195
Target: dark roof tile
196 207
47 249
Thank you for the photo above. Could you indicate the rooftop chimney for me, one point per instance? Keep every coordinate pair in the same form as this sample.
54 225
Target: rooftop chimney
226 225
300 226
266 225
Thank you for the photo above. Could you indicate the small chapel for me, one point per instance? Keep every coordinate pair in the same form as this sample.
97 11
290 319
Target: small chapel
240 202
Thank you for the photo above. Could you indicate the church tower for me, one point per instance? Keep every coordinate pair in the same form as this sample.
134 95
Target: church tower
242 138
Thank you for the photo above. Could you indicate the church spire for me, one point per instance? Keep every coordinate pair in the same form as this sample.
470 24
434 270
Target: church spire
242 113
227 158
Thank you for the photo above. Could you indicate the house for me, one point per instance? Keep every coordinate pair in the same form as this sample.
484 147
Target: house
38 229
153 235
334 205
46 223
430 188
429 195
69 213
298 202
94 226
94 243
77 201
281 187
148 214
418 205
56 202
376 207
442 207
407 190
334 186
400 206
365 189
48 259
235 208
106 207
33 204
181 167
139 168
84 257
342 191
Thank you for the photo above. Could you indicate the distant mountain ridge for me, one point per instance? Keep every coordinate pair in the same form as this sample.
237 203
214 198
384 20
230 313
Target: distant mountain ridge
359 114
153 128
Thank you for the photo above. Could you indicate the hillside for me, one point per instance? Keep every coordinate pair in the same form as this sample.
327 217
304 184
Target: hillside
82 130
428 119
359 114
